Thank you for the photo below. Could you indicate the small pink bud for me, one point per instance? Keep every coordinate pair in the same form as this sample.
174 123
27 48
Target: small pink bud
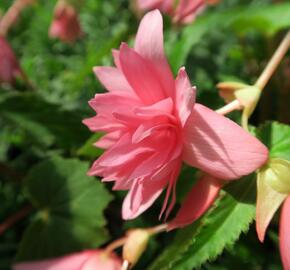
65 24
9 65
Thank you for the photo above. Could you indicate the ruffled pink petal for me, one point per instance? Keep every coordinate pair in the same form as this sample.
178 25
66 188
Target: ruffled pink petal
108 140
148 187
198 200
185 96
116 56
140 197
122 152
149 38
149 44
113 79
140 76
147 129
100 123
284 234
268 202
164 106
174 166
220 147
109 103
71 262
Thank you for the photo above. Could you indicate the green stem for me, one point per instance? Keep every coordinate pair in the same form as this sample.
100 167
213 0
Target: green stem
274 62
265 75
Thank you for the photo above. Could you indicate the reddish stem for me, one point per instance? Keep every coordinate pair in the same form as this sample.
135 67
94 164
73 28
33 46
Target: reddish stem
10 221
12 14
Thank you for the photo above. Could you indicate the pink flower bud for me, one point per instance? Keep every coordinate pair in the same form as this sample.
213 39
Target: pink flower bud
65 24
135 245
9 65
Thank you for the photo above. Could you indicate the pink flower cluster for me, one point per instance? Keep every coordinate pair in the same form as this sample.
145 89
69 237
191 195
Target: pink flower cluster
184 12
153 124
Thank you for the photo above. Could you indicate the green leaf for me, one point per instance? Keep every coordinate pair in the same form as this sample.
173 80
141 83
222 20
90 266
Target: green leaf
218 229
46 122
88 149
276 137
70 210
267 19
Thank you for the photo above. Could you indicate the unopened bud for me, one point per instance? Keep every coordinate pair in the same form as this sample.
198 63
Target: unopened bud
9 65
247 95
227 90
65 24
277 175
135 245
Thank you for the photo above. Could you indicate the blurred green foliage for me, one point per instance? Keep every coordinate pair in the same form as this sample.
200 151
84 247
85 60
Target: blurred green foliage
232 40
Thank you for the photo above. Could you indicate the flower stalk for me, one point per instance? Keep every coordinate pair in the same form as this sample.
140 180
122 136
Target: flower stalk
133 237
12 14
116 244
232 106
263 78
274 62
158 229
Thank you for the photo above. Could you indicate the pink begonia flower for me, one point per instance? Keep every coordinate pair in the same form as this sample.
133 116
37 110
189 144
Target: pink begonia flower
153 124
182 12
9 65
65 24
86 260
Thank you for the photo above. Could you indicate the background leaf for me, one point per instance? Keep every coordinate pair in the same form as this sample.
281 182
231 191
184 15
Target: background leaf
267 20
88 149
46 122
276 137
70 210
